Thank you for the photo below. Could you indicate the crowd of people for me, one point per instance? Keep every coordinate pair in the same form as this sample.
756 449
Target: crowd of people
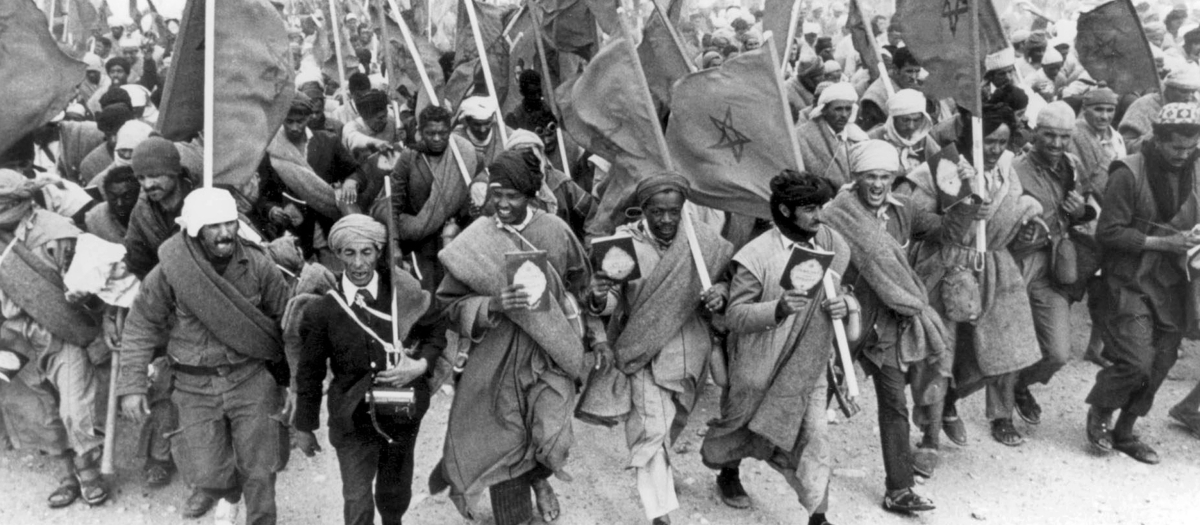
226 314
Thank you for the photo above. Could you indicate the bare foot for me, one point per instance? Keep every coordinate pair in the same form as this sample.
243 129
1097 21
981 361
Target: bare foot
547 501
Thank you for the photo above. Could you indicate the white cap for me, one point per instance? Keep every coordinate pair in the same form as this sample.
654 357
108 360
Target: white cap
205 207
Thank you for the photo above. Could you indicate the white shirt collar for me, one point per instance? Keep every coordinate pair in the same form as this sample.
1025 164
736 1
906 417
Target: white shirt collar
350 291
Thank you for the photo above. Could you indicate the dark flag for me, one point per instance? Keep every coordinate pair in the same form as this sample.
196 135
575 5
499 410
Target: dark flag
1112 46
864 39
941 34
467 78
47 76
662 60
571 27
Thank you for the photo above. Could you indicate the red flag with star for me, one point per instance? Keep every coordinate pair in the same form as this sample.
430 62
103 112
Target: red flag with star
1112 46
941 34
731 131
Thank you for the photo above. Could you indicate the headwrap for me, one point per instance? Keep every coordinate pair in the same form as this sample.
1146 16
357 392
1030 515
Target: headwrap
113 117
906 102
1051 57
301 104
1003 59
667 181
205 207
356 227
821 88
16 197
792 189
309 75
131 134
1058 115
832 66
1180 114
1020 36
93 62
139 97
1101 94
156 156
706 59
371 103
119 61
477 108
842 91
872 155
516 170
811 28
523 137
1186 78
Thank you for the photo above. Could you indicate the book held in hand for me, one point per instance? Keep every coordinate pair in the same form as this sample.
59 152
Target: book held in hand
616 257
805 269
530 269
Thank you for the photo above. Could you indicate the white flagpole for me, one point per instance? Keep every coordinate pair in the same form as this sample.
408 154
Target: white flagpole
791 34
335 26
487 70
210 91
977 135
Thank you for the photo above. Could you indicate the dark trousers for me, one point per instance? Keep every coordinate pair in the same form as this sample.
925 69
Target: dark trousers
890 383
228 443
1141 356
364 458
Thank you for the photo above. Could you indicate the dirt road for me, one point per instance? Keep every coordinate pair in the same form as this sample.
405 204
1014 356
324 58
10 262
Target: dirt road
1051 479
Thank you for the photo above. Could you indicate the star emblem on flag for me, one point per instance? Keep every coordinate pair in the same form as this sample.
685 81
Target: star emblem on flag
731 138
952 10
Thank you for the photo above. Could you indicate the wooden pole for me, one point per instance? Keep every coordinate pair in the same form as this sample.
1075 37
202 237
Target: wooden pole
977 132
473 18
51 7
429 91
839 336
210 90
335 26
791 34
110 417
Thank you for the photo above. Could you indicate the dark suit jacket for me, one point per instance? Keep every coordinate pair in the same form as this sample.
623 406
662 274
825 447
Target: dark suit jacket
329 158
331 339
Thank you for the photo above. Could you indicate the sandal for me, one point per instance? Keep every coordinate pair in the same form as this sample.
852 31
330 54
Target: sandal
1004 432
66 493
158 473
547 501
92 486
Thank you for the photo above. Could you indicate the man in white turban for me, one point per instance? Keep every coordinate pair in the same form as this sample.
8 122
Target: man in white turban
477 123
1048 81
826 138
217 302
1056 179
907 129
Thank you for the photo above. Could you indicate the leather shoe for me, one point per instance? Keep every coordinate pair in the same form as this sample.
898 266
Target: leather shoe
729 485
661 520
1133 447
198 504
924 461
1098 433
1028 407
818 519
907 501
956 430
1187 418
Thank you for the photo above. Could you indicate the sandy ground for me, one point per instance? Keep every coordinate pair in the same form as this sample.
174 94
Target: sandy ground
1051 479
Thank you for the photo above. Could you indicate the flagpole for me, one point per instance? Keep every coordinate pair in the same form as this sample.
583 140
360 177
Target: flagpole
429 19
768 40
548 91
429 91
870 32
51 7
487 70
210 90
791 34
977 131
662 11
337 43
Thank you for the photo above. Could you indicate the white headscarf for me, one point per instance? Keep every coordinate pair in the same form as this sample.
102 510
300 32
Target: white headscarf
907 102
129 136
204 207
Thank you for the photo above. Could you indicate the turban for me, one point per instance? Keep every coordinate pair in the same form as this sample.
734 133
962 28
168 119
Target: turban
1056 115
1020 35
477 108
313 91
811 28
121 62
1052 57
93 62
205 207
139 97
840 92
130 136
301 103
1005 58
516 170
1179 114
156 156
1186 78
131 41
371 103
821 88
707 58
523 137
872 155
832 66
794 189
113 117
308 75
668 181
356 227
1100 95
906 102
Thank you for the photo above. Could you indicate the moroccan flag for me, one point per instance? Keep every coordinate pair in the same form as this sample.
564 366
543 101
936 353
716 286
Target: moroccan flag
605 12
39 79
253 85
571 27
401 67
608 111
81 20
864 39
1112 46
731 131
776 16
467 70
940 34
662 60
